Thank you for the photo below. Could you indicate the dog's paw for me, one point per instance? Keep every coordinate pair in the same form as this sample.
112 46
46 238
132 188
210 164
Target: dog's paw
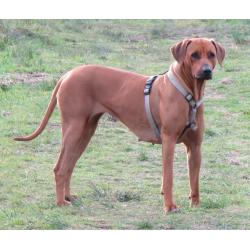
195 204
171 209
194 201
71 198
63 203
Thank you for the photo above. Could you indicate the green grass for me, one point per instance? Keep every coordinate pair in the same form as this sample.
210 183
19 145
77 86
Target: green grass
118 178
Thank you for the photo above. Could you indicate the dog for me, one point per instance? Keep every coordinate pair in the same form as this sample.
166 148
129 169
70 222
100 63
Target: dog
86 92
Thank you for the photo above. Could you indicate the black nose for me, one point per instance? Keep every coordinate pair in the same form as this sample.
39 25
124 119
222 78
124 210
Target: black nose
207 71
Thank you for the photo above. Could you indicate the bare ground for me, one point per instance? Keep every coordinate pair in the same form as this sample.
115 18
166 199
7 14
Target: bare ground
32 78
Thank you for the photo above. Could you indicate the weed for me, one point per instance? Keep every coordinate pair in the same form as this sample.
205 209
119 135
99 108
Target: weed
209 133
144 225
239 37
4 87
55 221
47 85
125 196
142 156
3 42
98 192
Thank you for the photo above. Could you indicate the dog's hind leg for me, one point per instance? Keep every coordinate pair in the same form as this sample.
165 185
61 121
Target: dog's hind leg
87 134
76 136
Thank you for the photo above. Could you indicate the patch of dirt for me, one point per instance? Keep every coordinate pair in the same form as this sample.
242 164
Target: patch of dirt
179 32
136 38
32 78
102 224
211 93
236 209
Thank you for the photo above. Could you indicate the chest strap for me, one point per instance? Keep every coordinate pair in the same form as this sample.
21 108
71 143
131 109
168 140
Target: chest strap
151 120
189 98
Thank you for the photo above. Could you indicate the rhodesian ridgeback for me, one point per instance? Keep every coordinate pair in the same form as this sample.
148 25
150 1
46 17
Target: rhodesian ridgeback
85 93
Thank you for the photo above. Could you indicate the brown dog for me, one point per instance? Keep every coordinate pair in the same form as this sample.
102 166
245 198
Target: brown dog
85 93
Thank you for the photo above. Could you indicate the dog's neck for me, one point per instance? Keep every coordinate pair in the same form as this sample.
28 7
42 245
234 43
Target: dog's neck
195 86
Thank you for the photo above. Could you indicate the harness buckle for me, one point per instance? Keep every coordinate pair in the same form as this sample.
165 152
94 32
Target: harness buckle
193 126
189 97
191 100
146 89
193 104
149 84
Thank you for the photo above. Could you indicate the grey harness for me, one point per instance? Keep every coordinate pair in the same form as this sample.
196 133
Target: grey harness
191 124
152 122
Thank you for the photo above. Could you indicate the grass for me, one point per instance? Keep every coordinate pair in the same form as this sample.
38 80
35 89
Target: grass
118 178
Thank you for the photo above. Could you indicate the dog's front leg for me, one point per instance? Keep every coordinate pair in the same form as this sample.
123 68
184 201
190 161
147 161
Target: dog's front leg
168 146
194 163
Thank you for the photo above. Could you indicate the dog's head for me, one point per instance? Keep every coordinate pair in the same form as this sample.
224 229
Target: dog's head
199 55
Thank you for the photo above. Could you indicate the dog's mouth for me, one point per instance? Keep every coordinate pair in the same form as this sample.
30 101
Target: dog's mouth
204 76
205 73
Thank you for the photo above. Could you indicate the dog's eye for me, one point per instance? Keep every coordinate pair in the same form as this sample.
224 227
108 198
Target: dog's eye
211 55
195 55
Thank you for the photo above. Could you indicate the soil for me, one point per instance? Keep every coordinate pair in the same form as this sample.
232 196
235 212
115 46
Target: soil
31 78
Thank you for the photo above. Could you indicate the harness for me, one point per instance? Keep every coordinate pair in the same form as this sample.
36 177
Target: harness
191 124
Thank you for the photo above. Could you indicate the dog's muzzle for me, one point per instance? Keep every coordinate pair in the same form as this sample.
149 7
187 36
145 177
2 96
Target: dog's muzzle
205 73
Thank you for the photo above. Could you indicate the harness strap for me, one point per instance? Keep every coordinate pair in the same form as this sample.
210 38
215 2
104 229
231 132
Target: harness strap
150 117
189 98
191 124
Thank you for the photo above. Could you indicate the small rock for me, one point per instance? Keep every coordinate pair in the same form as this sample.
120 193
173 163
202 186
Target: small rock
227 80
136 38
234 162
6 113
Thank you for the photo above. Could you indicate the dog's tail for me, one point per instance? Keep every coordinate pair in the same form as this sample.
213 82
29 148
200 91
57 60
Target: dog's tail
48 113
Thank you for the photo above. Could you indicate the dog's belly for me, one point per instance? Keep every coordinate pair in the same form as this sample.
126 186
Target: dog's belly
147 136
141 129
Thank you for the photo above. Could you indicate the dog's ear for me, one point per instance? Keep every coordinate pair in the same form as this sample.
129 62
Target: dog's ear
179 50
220 52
